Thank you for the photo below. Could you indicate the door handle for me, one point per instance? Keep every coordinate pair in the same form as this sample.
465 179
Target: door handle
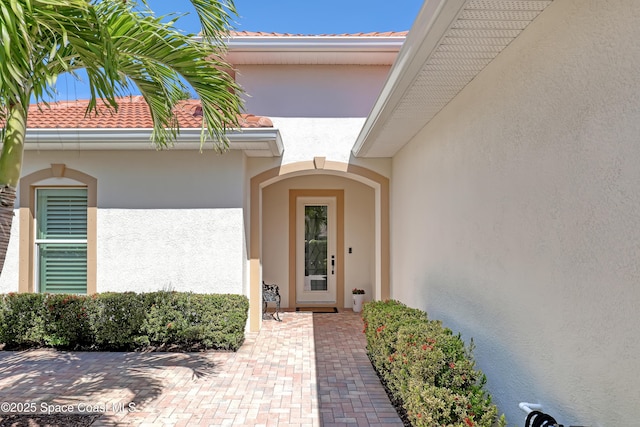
333 263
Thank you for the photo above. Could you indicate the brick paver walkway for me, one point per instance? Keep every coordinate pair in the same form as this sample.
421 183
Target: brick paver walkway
309 370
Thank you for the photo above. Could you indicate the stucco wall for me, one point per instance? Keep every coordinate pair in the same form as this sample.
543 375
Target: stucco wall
359 268
306 138
319 109
9 276
170 219
515 216
199 250
311 90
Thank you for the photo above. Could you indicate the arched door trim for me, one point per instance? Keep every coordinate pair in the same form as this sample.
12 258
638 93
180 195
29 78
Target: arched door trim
378 182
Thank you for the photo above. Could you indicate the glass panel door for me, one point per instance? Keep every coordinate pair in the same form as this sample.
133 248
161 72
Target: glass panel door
315 250
315 247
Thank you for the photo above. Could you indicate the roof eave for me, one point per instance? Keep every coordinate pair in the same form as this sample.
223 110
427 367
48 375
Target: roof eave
434 19
255 142
451 42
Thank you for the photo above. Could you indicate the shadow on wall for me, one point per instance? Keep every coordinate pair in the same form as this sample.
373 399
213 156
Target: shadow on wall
510 378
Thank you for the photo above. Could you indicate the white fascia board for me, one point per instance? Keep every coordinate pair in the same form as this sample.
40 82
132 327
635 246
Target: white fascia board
314 43
297 49
434 19
266 141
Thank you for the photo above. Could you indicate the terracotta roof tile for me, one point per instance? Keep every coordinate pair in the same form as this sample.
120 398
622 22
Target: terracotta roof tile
133 113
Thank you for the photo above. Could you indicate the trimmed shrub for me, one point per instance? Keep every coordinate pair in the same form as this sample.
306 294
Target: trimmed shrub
116 320
211 321
428 371
123 321
22 320
381 323
66 323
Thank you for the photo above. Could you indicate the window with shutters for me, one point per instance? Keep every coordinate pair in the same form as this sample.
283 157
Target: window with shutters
61 240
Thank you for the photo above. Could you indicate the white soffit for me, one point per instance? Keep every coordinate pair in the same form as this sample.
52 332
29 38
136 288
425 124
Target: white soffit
313 50
255 142
449 44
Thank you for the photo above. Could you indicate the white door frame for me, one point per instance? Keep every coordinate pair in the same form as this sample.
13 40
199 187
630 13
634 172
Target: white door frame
338 196
304 292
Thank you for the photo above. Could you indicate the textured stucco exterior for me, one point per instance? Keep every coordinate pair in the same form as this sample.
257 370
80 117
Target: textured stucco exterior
201 250
168 219
9 276
311 90
309 137
154 179
514 216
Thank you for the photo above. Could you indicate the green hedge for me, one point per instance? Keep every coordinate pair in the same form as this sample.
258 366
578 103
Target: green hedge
216 321
123 321
428 371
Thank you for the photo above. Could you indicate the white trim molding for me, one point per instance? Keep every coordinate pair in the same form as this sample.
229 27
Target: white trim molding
255 142
336 49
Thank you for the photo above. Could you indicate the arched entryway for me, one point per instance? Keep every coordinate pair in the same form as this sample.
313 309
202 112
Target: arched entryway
358 192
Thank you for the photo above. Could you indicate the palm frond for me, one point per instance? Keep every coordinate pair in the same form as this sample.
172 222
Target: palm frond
119 43
160 60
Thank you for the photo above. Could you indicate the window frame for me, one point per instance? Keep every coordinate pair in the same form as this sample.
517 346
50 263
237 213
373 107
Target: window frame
27 219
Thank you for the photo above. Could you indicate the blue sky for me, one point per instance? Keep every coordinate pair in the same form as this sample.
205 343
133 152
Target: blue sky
286 16
308 16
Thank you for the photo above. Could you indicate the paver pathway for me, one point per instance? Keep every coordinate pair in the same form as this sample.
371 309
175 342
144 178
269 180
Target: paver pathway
309 370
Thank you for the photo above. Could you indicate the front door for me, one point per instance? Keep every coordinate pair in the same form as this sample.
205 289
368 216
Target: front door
316 255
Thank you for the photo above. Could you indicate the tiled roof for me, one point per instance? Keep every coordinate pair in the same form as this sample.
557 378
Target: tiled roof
133 113
372 34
